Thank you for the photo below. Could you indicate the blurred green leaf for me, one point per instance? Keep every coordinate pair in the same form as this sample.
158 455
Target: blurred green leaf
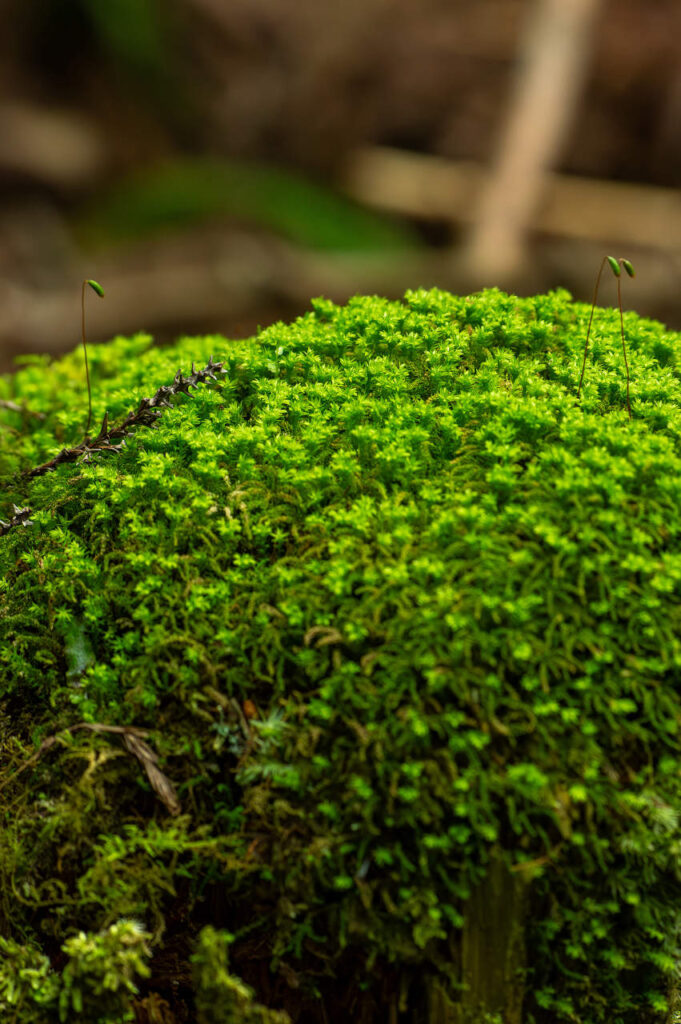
134 32
184 192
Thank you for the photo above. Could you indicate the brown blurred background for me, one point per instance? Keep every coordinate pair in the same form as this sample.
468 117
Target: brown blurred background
216 163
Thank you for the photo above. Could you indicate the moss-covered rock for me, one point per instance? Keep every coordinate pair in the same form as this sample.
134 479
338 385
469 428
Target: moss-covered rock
369 644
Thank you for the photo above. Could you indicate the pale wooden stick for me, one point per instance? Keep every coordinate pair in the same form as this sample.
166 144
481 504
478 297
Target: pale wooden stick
552 67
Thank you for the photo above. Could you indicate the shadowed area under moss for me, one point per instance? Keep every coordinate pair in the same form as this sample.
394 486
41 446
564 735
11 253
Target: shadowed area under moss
397 619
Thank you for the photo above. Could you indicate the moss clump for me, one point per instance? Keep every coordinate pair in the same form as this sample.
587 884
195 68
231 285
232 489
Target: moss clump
95 984
383 607
220 997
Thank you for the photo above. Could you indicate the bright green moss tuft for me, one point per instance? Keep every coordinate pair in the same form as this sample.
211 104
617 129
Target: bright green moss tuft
392 606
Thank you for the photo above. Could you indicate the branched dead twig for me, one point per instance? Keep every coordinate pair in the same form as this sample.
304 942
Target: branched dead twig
148 411
21 517
112 439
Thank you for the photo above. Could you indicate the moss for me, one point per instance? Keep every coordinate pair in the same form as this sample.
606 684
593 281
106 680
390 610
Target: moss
95 984
222 998
383 605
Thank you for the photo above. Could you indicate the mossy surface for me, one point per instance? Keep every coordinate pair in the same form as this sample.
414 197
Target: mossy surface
387 600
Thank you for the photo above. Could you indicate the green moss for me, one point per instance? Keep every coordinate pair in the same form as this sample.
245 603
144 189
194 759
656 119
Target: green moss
389 602
94 986
221 998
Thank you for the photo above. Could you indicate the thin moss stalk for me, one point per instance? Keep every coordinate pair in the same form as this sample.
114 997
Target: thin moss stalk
614 265
98 290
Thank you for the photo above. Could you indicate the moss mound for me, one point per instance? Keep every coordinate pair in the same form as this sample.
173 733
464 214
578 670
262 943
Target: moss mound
364 663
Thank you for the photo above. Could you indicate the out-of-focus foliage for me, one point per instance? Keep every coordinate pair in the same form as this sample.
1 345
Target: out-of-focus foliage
390 602
135 32
182 192
220 997
95 986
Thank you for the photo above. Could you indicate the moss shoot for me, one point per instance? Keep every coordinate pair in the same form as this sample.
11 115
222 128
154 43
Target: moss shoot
371 640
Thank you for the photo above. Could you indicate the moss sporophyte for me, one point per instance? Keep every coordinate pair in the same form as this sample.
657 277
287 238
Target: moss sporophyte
98 290
614 265
370 644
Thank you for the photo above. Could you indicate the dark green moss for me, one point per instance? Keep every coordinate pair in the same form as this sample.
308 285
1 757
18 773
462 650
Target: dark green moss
389 602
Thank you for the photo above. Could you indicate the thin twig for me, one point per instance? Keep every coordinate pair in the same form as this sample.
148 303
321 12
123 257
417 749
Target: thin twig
146 414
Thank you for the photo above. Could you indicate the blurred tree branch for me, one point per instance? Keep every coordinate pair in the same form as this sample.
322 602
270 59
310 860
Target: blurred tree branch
553 61
61 148
431 187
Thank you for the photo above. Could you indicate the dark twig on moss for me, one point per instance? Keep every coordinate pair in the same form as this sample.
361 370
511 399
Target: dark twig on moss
112 439
148 411
21 517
